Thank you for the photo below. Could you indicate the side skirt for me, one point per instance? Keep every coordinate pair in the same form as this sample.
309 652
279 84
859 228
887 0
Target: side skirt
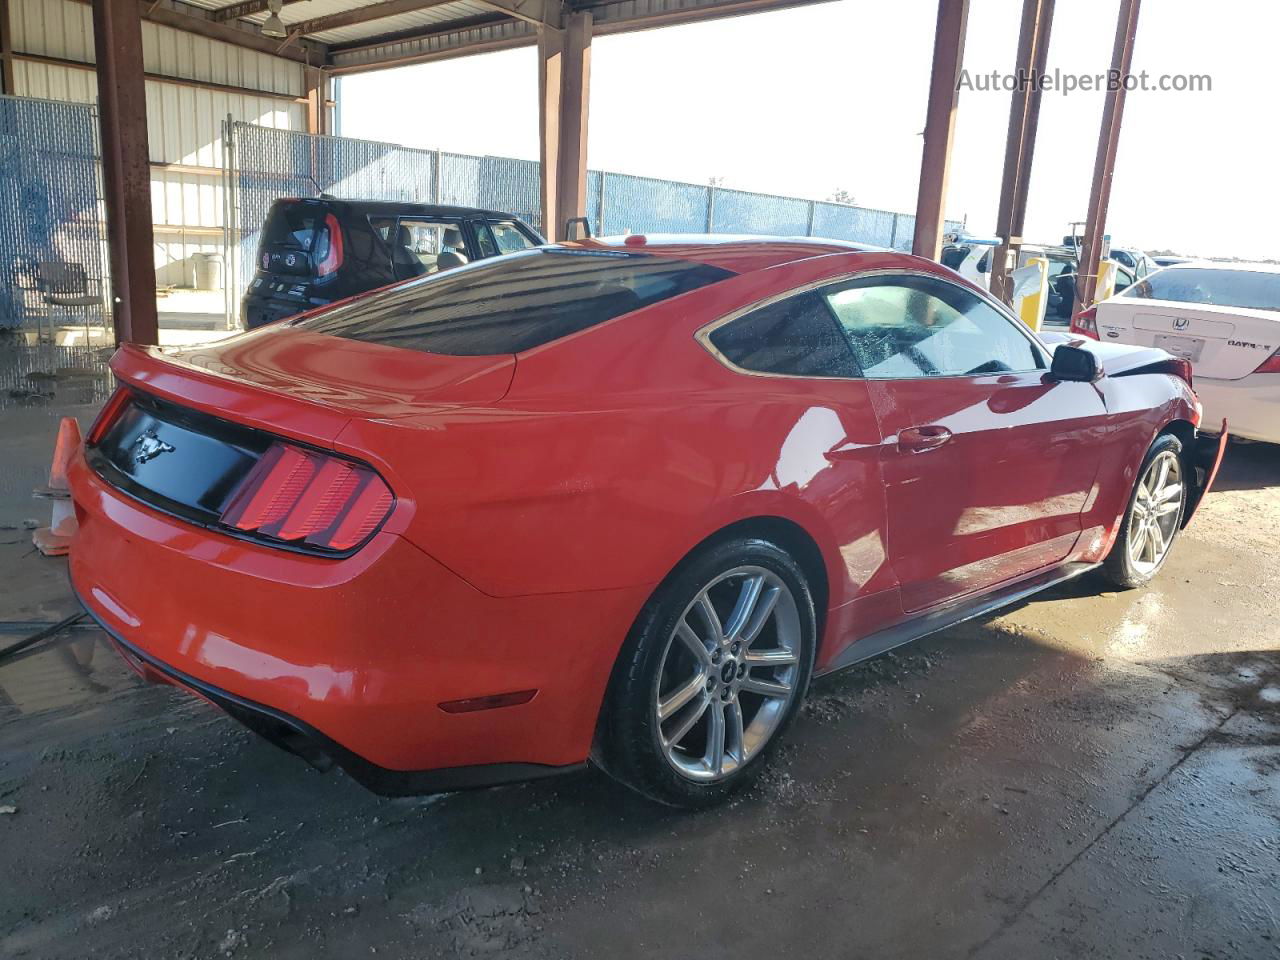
956 612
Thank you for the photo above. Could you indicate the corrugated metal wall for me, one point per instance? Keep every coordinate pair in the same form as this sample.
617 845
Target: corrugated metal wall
184 122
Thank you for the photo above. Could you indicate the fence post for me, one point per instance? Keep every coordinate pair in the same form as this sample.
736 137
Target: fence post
893 233
228 270
435 178
711 209
604 177
808 230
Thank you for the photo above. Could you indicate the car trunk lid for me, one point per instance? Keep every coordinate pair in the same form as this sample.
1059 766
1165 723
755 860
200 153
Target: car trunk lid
290 370
194 432
1224 343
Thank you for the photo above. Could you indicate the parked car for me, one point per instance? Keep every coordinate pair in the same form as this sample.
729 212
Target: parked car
609 501
1135 261
315 251
1224 319
1167 260
971 258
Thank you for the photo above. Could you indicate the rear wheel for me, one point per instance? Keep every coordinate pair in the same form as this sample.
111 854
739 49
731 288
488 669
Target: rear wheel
1154 517
712 673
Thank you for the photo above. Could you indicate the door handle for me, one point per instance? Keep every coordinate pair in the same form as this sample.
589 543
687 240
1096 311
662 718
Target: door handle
920 439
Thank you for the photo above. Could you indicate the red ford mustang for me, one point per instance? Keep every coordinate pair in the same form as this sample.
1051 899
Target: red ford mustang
614 502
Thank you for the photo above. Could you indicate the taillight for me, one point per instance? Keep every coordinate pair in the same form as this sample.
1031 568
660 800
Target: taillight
1271 364
303 496
333 257
1180 367
108 415
1086 322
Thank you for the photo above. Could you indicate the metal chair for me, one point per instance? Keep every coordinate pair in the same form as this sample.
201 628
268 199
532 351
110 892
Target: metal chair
66 286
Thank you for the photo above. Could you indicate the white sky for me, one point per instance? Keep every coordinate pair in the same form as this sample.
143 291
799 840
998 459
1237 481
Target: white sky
832 96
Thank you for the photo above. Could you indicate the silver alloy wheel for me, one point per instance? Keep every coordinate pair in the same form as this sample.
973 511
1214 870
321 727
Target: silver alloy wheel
1156 512
728 673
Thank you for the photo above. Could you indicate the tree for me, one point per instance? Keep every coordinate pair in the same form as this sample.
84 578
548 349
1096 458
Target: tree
841 195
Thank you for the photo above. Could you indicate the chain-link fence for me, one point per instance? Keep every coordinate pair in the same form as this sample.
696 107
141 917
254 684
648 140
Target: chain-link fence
265 164
52 233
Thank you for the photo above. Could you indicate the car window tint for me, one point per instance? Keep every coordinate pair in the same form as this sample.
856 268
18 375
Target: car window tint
509 238
796 336
1251 289
484 238
513 303
900 327
436 244
292 226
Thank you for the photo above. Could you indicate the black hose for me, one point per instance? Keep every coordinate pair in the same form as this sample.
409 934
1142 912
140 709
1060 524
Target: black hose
52 630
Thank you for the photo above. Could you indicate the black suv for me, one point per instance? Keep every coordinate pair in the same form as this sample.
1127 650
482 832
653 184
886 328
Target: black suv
313 252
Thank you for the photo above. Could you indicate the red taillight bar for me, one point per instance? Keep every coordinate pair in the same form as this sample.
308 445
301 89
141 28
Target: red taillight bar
333 258
293 495
1271 364
1085 322
107 415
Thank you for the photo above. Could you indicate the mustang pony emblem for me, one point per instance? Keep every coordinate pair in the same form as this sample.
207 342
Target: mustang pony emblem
149 446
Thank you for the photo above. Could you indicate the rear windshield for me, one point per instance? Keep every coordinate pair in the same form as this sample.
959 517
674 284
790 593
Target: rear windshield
292 226
1253 290
513 303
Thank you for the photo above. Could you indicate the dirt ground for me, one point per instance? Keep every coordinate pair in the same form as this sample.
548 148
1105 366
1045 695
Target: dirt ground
1091 774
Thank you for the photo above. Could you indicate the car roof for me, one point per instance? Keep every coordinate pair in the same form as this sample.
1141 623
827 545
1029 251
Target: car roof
1230 265
393 207
741 254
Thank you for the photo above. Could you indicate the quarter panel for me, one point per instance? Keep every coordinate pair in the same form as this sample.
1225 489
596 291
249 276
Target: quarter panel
620 448
1138 408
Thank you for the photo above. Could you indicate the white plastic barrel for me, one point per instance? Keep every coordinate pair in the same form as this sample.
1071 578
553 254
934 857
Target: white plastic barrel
208 270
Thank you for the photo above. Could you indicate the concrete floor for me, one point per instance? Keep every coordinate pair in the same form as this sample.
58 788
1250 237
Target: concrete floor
1091 774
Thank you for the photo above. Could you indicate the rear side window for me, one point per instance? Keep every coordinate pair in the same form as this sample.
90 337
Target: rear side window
1251 290
797 337
509 238
515 303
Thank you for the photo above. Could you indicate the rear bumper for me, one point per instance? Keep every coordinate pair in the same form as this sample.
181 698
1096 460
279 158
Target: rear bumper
1250 405
257 310
348 660
322 752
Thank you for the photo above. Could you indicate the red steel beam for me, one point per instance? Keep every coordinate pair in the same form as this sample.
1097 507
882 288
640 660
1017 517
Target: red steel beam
1105 162
575 95
6 50
940 126
1024 119
126 168
564 81
317 86
550 83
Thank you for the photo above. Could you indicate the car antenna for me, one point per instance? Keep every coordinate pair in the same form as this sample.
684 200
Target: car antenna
316 183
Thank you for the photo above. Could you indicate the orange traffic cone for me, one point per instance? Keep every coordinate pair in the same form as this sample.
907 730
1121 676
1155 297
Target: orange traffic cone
55 539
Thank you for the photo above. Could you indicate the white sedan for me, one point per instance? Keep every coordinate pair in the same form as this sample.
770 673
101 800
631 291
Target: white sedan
1225 319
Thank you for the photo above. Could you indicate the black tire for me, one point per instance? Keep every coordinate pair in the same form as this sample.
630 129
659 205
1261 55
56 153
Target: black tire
1119 567
631 746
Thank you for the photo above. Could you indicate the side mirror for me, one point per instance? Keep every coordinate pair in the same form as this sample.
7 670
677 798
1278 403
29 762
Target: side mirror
1074 365
569 225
